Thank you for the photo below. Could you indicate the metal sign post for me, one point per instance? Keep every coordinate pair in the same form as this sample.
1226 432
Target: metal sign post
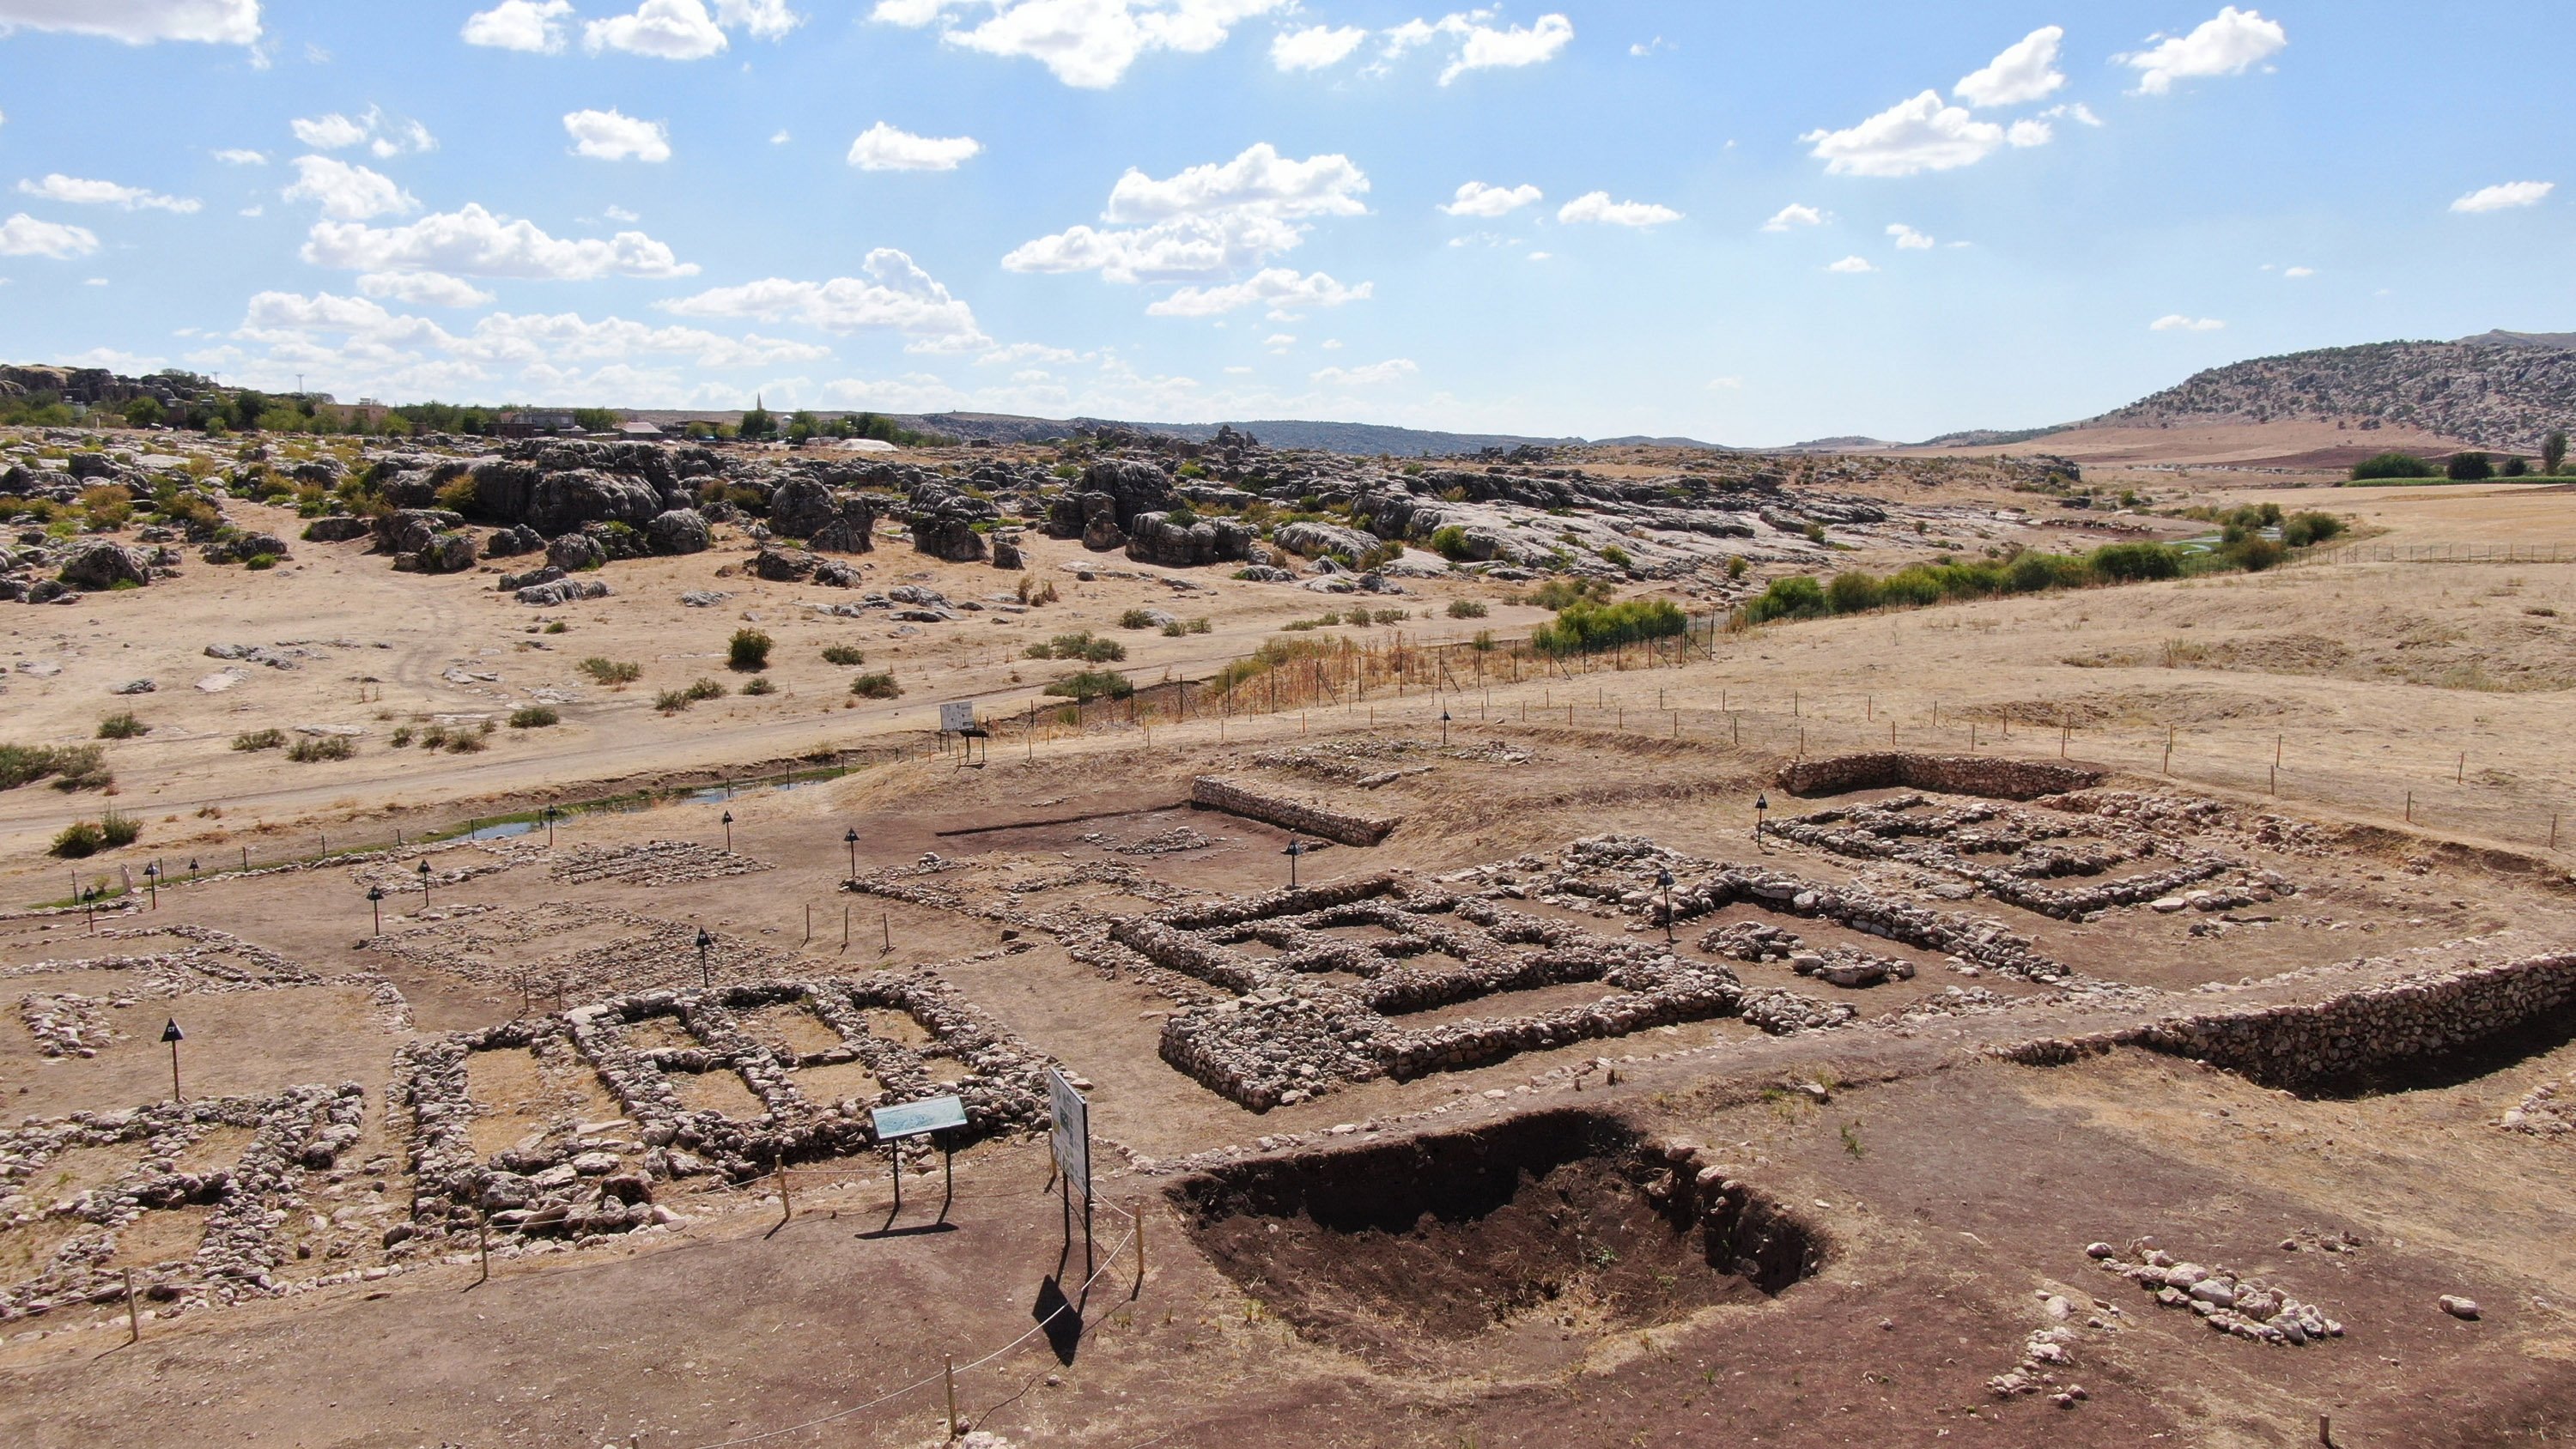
1072 1144
959 720
919 1119
174 1036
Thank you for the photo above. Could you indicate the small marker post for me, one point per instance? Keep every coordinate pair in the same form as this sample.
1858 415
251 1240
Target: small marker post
483 1243
174 1036
133 1313
949 1360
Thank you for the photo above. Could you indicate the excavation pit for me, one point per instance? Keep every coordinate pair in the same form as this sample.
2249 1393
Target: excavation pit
1510 1247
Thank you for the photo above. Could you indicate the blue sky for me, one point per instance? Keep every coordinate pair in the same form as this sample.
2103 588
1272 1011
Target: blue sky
1750 223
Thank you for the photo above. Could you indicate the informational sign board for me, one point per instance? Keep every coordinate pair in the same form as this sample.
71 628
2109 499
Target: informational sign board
1072 1131
914 1119
956 719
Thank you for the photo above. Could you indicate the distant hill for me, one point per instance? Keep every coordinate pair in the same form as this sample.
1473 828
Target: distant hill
2503 390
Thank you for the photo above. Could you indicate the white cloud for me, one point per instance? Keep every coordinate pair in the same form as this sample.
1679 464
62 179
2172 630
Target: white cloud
668 29
2026 71
536 26
2229 44
765 19
614 136
1205 220
1280 288
1597 206
1086 43
1725 384
1332 344
346 192
24 236
1649 47
1538 256
618 213
2298 274
139 22
883 148
1795 214
1280 342
780 139
2027 133
386 136
1477 199
914 392
424 289
1485 47
2074 111
1019 352
2176 322
129 363
78 192
895 295
329 133
1315 47
237 157
2505 197
1374 374
478 243
1920 134
1908 239
1851 264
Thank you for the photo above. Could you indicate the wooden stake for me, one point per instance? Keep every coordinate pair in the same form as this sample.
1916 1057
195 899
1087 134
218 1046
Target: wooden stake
133 1315
951 1361
483 1243
786 1204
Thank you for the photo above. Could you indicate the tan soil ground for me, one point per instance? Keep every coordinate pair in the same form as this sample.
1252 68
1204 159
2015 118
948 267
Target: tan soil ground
1951 1192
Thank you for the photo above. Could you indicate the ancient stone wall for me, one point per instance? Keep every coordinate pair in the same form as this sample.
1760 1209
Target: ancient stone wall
2001 779
1296 816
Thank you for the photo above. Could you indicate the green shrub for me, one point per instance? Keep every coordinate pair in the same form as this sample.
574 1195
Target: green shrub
748 653
2391 465
2135 562
314 748
434 737
1854 593
1562 593
77 841
879 685
1202 626
1136 619
558 626
671 701
402 737
1585 627
1092 684
1792 598
845 654
1450 542
535 717
611 671
260 740
78 767
457 495
762 685
1735 566
466 743
1175 629
1467 609
1815 533
2469 467
122 726
1084 646
1617 557
2306 530
704 689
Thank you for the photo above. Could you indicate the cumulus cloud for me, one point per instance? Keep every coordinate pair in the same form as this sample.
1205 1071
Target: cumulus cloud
386 136
1207 219
1086 43
1280 288
24 236
883 148
894 295
2231 43
613 136
2075 111
1851 264
2027 133
764 19
2176 322
346 192
2298 274
1921 134
139 22
1598 207
1795 214
424 289
1908 239
1375 374
2505 197
475 242
667 29
1485 47
2026 71
1477 199
237 157
78 192
1315 47
536 26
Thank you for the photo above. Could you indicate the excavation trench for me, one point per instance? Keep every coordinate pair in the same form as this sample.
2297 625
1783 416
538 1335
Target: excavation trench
1512 1247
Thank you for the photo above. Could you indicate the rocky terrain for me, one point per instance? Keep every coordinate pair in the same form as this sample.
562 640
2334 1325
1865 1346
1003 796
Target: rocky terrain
2504 391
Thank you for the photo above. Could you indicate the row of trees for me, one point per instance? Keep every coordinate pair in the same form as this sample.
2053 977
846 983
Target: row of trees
2468 466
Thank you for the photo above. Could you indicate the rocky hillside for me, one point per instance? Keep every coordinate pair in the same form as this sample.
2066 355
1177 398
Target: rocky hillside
2500 390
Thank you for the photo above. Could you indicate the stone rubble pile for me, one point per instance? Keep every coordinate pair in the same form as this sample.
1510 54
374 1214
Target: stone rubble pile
653 863
1300 817
2229 1302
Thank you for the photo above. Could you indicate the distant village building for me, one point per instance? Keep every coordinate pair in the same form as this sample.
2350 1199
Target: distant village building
639 431
534 423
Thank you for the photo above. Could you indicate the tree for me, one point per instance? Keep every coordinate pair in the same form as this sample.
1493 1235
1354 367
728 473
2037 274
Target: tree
758 423
2553 451
2470 466
596 420
803 424
141 411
